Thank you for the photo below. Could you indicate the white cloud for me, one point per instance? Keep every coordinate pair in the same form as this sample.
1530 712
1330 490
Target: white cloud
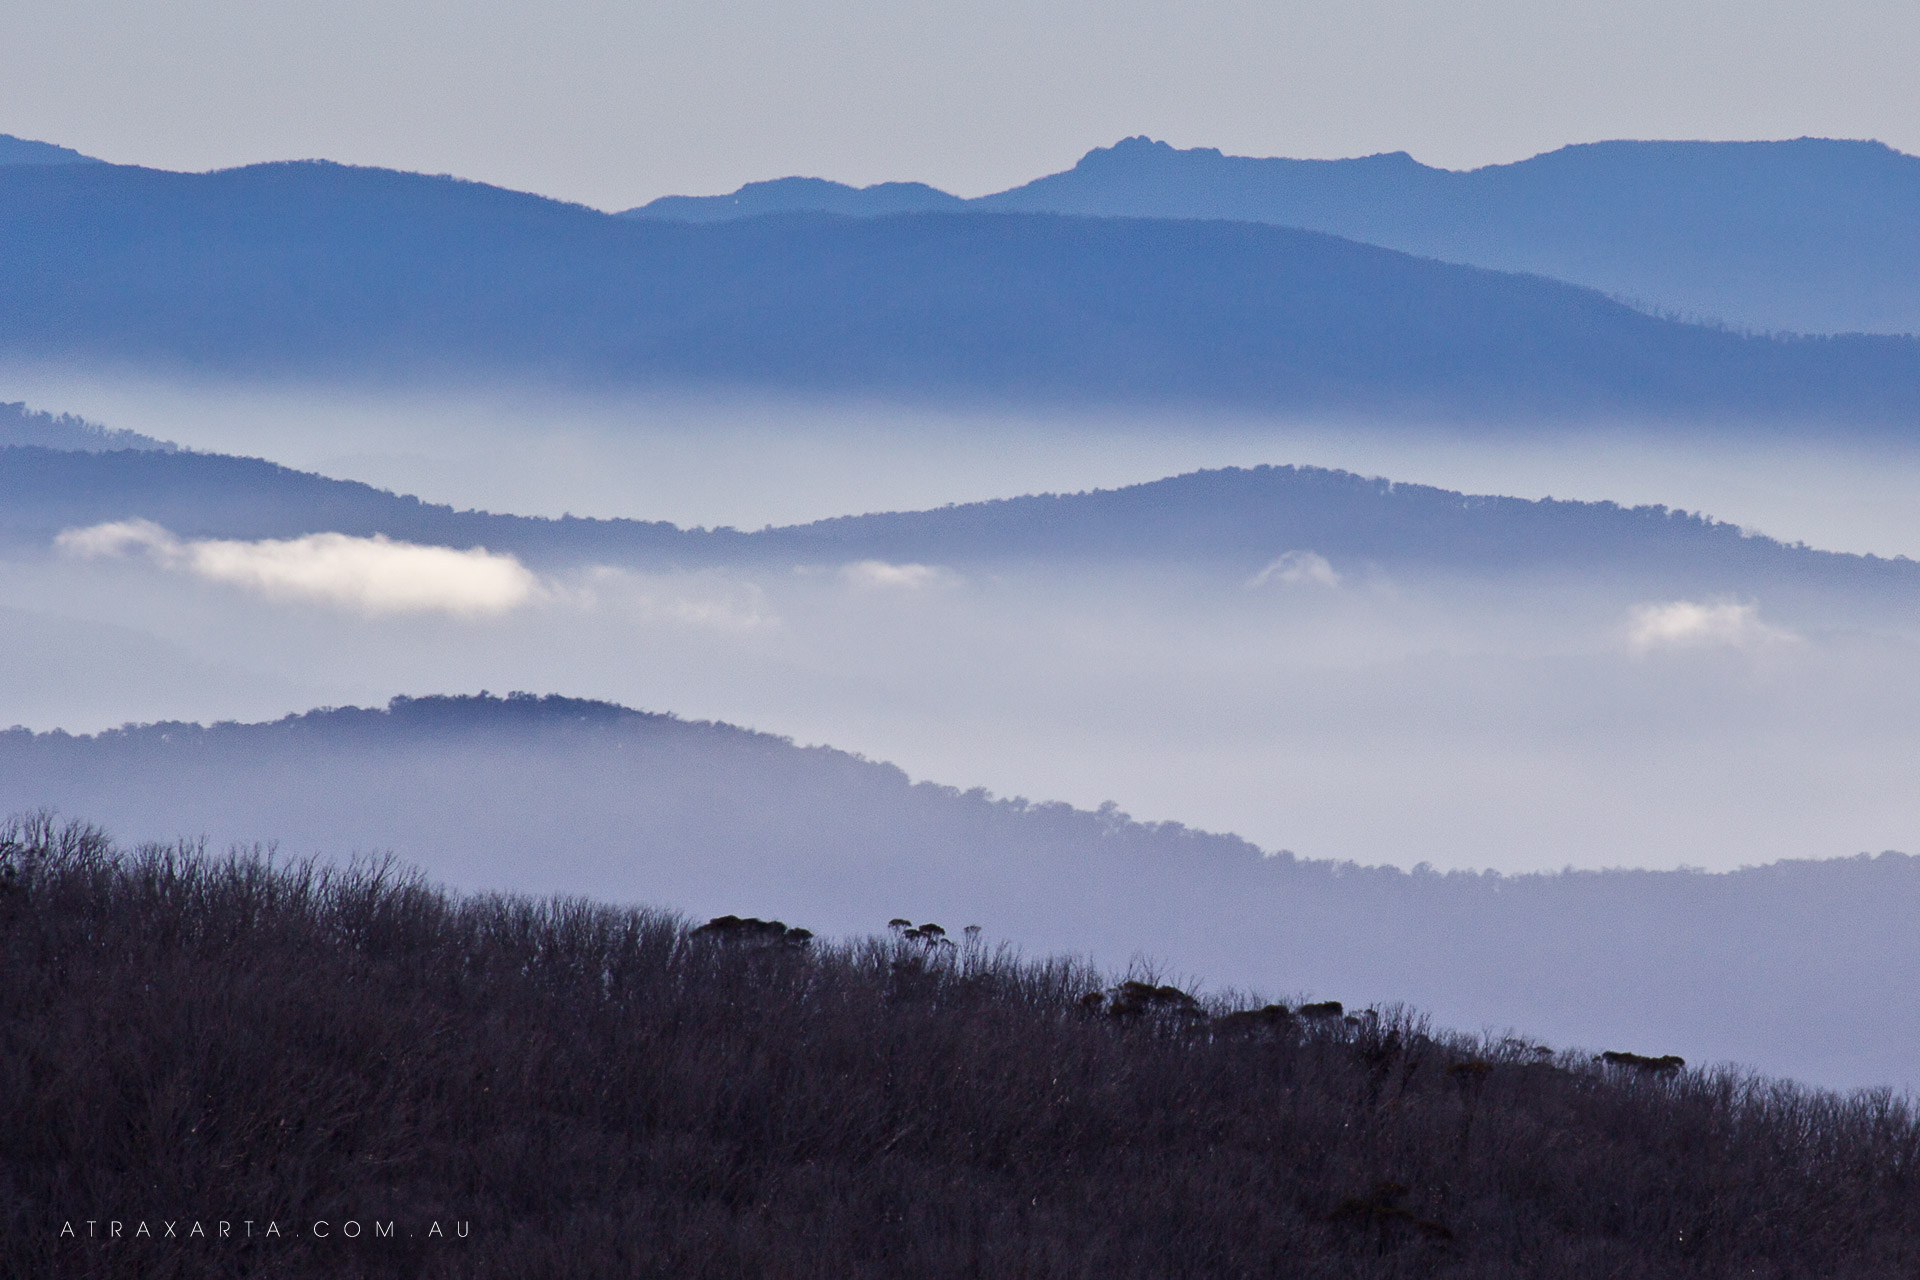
1297 568
1688 624
375 575
880 574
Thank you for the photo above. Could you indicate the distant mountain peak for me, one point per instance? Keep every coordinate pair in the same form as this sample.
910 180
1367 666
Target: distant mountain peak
1140 144
26 151
801 195
1142 149
1805 235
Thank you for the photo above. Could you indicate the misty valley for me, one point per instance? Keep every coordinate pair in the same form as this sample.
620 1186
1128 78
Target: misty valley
1341 668
1199 716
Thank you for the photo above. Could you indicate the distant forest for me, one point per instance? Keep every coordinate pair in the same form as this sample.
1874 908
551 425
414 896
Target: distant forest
21 426
561 1088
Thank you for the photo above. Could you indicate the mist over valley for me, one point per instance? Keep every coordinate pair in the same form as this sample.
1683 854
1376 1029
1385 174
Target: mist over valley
1347 668
1788 968
748 462
1250 612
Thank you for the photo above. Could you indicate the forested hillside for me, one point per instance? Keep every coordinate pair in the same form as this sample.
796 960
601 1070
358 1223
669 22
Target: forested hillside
21 426
1793 966
498 1087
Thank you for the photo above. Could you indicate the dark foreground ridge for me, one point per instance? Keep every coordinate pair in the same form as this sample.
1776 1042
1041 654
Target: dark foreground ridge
1792 966
565 1089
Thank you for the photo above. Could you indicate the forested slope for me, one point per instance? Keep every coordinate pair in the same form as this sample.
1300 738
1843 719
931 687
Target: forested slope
497 1087
1792 966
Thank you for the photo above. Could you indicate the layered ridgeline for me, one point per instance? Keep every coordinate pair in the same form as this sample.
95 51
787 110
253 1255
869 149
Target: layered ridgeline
26 151
1349 667
1796 967
1812 235
372 1077
1233 520
319 270
20 426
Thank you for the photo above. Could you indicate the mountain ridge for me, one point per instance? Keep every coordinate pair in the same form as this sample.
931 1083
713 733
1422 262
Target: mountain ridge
326 271
558 795
27 151
20 425
1224 517
1808 235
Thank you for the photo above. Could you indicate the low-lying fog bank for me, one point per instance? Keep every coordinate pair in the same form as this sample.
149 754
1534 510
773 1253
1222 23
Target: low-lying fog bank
1796 968
1358 672
751 462
1396 675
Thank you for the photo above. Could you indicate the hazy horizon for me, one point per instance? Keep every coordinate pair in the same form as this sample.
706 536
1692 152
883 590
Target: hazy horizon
613 106
749 461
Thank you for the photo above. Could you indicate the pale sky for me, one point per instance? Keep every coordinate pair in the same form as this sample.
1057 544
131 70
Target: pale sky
613 102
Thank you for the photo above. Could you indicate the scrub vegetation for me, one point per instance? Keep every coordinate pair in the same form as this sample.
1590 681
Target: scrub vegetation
603 1091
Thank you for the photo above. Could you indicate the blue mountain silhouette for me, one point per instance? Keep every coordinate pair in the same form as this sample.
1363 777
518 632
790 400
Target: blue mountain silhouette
20 425
26 151
316 269
1811 235
1233 520
813 195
